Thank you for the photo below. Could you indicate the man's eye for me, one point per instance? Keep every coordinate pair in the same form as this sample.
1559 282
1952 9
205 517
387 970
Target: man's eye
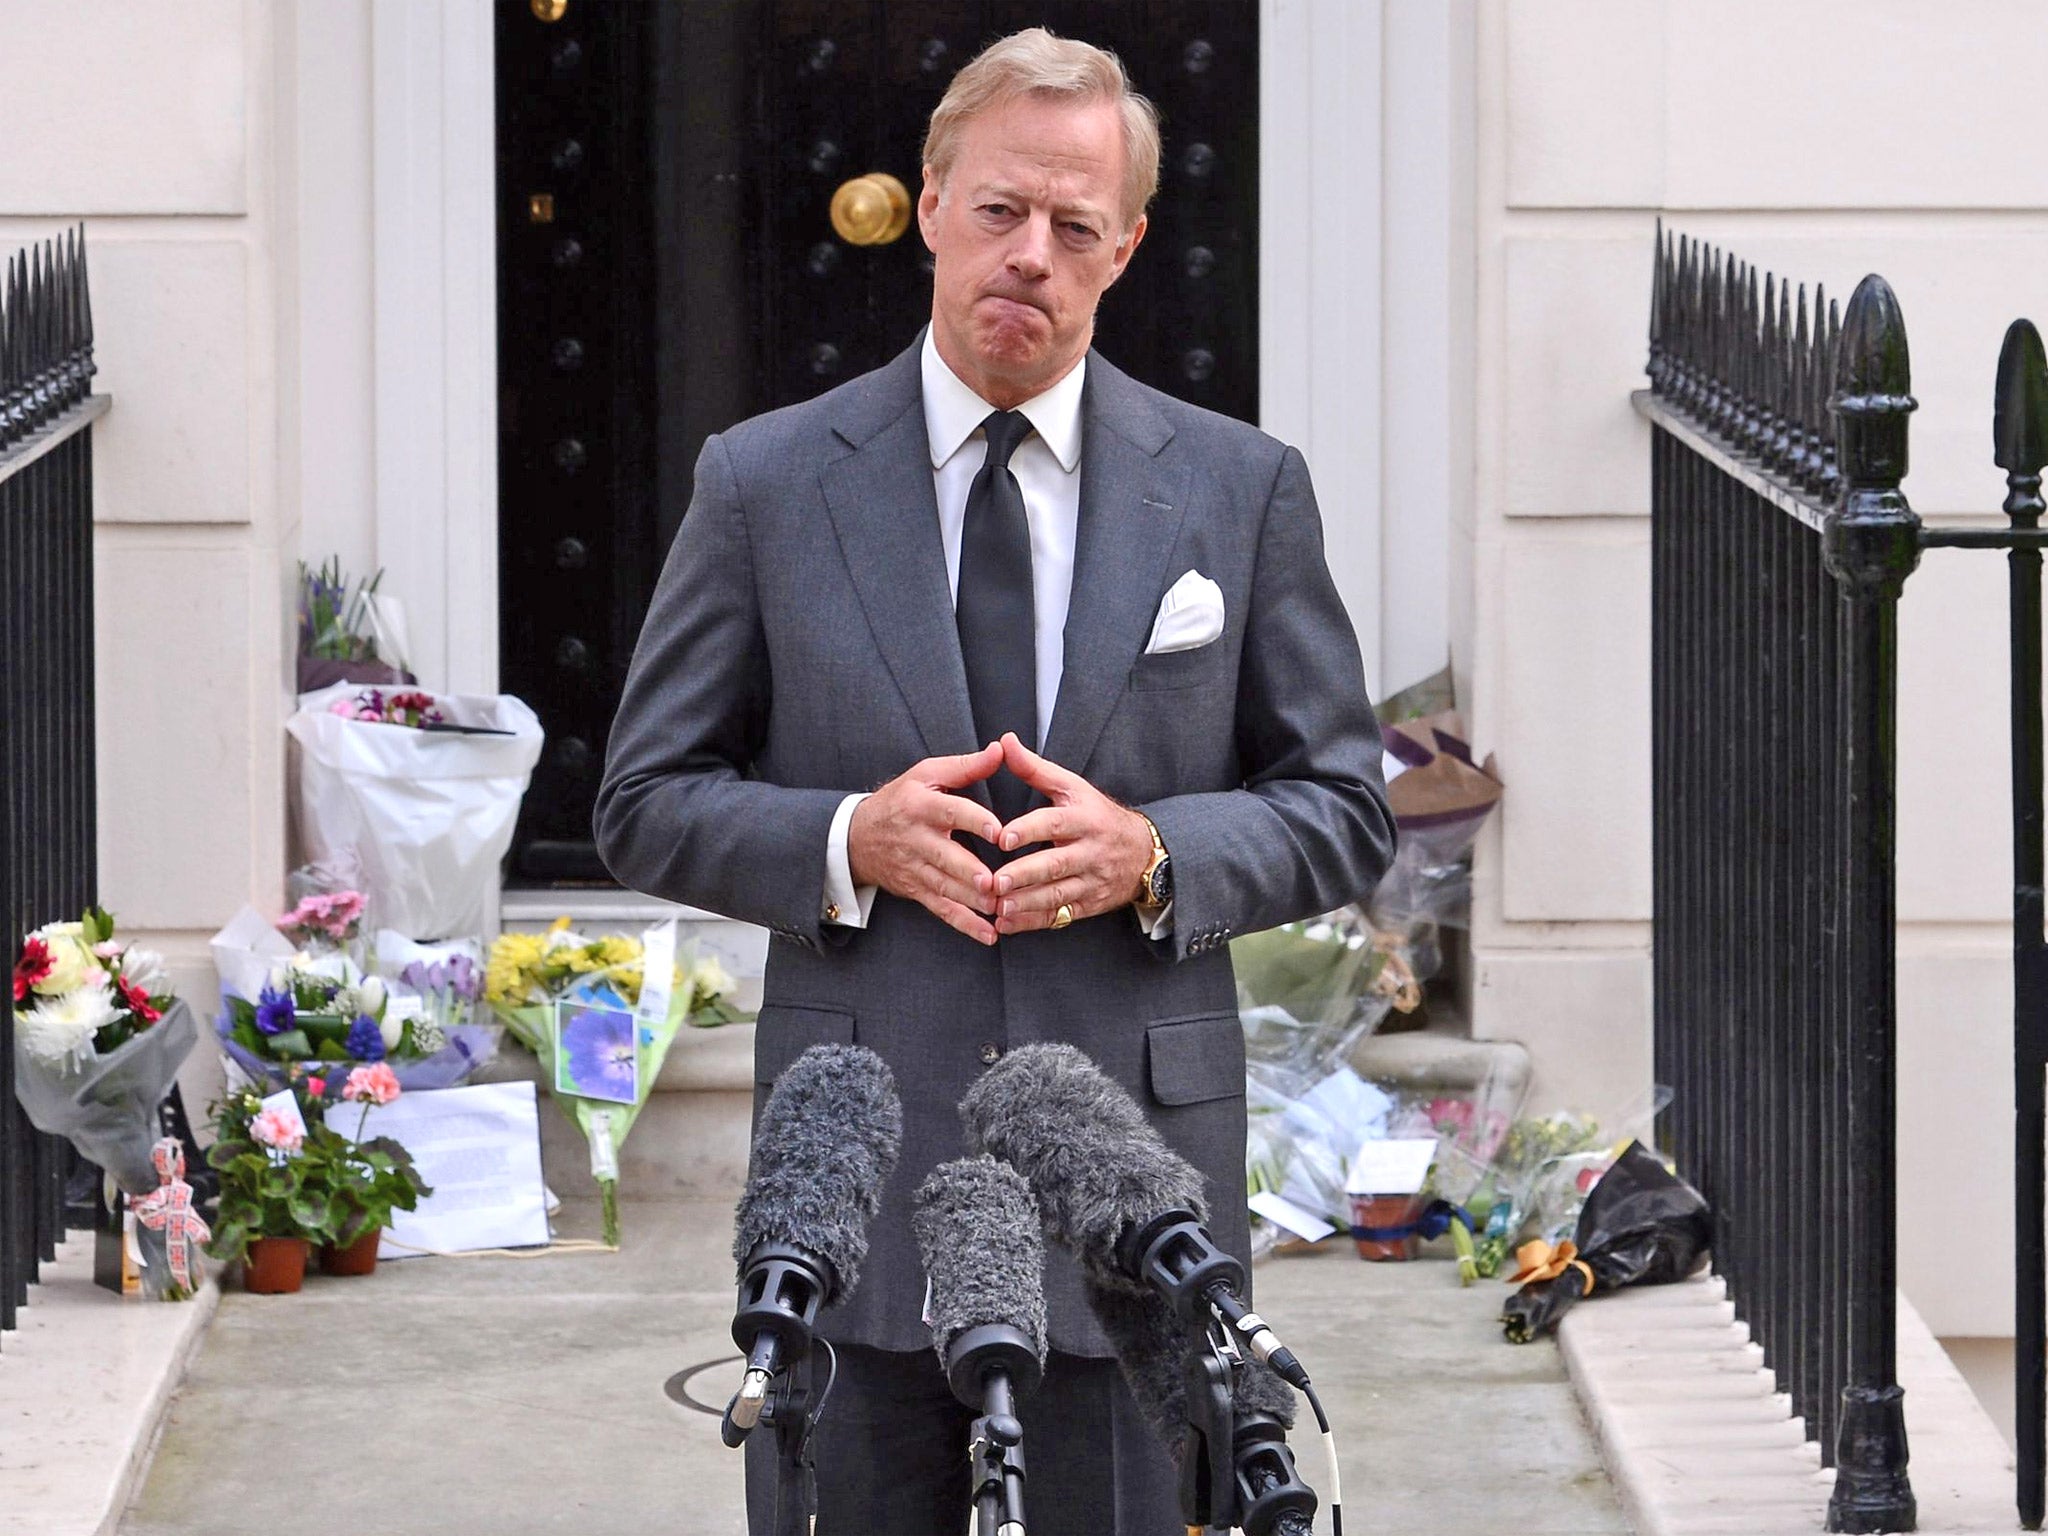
999 210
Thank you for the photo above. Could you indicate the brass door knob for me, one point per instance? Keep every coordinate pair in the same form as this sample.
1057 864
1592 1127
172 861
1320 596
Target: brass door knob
871 210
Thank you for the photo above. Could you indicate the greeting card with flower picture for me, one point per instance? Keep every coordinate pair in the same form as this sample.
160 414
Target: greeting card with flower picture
597 1052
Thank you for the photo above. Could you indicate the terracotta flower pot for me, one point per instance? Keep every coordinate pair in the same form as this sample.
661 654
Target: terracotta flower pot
1383 1211
358 1258
274 1266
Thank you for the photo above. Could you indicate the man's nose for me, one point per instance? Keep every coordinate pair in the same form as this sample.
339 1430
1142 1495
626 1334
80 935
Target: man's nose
1030 254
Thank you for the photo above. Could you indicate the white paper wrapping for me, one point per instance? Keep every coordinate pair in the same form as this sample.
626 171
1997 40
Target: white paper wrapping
429 814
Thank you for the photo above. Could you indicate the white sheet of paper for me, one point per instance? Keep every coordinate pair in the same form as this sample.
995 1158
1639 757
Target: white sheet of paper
1283 1212
479 1149
245 951
657 972
1396 1166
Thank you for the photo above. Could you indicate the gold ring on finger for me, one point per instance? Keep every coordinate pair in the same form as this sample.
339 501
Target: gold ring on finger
1064 916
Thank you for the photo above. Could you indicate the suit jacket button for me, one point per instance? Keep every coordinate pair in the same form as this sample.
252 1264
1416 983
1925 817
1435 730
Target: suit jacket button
990 1053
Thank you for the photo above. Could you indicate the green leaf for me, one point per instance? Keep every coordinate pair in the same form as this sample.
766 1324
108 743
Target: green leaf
291 1045
230 1239
98 924
312 1211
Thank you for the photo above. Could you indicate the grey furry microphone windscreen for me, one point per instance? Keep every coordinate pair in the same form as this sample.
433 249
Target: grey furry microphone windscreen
1151 1343
828 1140
977 1231
1085 1148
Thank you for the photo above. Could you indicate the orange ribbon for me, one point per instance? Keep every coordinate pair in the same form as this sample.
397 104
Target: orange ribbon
1540 1261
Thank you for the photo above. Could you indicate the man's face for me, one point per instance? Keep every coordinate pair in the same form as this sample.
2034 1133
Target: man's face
1025 236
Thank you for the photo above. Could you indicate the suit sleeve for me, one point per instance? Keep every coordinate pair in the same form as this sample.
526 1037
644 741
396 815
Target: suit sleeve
680 814
1310 830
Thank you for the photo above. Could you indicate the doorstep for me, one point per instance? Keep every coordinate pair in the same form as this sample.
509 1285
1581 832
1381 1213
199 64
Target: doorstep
1699 1441
83 1386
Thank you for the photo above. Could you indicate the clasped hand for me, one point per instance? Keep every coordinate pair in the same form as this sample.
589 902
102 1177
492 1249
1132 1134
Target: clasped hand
901 839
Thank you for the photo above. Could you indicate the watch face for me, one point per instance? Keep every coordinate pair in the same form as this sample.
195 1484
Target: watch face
1160 882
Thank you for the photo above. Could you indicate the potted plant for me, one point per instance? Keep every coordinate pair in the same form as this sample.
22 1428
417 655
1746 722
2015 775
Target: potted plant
275 1183
371 1179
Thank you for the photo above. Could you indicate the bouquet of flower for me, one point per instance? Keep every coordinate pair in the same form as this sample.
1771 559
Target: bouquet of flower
347 633
98 1040
1641 1225
429 1044
325 919
88 993
448 991
374 706
601 1026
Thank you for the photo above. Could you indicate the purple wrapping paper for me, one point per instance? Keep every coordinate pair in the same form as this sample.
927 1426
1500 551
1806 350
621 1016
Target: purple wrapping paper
469 1047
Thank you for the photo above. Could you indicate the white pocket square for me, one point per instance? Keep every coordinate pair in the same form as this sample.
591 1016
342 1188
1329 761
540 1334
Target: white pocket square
1190 615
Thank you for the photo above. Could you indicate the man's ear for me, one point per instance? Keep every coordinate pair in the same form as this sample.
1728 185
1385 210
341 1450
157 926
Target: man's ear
1126 249
928 208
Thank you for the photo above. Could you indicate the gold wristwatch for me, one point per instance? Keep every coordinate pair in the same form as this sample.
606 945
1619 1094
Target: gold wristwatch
1155 886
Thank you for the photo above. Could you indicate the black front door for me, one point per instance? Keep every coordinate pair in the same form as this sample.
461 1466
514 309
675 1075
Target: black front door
667 266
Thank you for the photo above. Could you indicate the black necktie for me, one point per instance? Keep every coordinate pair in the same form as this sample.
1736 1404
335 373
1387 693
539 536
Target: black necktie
993 608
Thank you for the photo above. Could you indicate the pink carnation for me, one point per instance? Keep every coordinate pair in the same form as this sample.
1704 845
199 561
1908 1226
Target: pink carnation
276 1130
377 1083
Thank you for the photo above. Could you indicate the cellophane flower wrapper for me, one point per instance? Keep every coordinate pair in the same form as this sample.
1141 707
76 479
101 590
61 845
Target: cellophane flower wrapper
1641 1225
530 974
1300 1137
469 1047
108 1109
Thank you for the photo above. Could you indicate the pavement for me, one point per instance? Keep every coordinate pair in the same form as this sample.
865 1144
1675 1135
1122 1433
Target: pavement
516 1396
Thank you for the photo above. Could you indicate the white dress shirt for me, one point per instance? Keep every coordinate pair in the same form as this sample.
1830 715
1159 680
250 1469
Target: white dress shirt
1047 465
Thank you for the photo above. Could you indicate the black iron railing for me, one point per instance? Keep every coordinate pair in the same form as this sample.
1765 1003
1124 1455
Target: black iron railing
47 819
1780 542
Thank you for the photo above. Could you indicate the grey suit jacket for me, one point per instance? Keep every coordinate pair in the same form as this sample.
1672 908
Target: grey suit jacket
801 645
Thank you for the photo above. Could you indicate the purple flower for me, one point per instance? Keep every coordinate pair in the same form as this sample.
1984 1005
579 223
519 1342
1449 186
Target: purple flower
365 1040
603 1056
464 979
274 1012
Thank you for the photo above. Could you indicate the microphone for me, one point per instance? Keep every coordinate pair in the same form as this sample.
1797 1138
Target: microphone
977 1229
827 1142
1230 1446
1111 1189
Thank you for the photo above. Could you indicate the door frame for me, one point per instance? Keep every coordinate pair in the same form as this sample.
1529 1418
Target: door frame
1338 84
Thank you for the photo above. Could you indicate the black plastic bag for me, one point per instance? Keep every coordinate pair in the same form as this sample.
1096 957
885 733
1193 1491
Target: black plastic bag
1641 1225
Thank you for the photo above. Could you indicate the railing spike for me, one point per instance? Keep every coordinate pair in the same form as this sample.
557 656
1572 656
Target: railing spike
2019 415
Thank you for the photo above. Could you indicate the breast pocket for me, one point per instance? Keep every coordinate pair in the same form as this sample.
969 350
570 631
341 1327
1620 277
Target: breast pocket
1203 665
1193 1060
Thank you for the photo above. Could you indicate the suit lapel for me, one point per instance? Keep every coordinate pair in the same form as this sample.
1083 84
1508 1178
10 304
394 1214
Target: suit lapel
886 516
1133 495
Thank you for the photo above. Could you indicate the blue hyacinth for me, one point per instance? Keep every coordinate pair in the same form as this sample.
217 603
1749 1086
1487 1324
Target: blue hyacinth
365 1040
274 1012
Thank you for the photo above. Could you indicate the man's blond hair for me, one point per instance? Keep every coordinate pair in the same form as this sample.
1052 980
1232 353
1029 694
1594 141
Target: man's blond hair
1036 63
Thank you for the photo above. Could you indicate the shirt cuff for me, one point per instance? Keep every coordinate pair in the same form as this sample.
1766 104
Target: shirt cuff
845 903
1157 925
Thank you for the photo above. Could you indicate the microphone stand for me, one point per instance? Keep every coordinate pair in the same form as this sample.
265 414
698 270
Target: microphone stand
992 1368
781 1291
1236 1471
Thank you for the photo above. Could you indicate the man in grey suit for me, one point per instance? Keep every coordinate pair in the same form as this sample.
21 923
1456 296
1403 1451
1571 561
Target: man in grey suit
1083 638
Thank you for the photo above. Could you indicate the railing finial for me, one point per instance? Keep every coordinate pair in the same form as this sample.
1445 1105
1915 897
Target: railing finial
2019 414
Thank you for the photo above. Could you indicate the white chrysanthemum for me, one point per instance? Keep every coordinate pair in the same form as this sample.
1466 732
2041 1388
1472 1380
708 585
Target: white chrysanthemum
144 968
59 1031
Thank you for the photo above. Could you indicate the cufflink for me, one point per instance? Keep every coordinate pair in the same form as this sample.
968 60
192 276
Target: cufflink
832 912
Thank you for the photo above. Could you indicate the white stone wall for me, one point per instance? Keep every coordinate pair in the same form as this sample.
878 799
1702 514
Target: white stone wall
155 126
1824 140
